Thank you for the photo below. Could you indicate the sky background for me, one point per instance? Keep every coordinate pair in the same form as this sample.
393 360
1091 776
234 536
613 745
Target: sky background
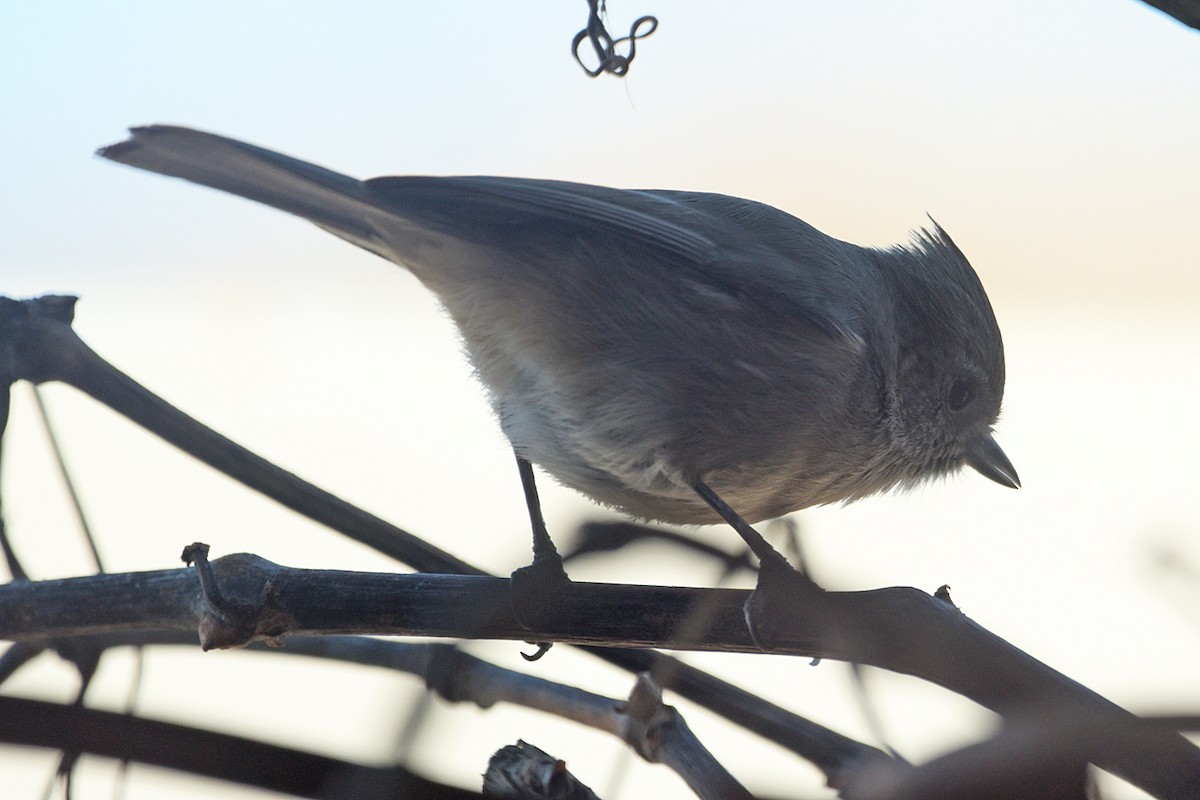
1056 142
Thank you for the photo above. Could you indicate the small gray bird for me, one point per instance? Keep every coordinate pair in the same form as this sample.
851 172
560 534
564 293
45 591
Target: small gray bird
664 351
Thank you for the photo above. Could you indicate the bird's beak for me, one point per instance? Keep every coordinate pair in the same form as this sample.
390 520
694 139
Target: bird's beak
986 458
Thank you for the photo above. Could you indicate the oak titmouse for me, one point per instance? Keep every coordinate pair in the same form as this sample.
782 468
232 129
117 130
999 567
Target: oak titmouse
638 345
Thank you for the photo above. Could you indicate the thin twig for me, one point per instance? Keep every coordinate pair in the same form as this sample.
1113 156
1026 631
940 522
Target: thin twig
64 473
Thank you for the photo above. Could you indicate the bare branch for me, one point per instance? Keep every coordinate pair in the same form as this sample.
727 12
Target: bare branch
1186 11
898 629
658 733
523 772
37 344
77 729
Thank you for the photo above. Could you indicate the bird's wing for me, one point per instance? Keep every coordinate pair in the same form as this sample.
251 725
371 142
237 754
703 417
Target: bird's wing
464 207
701 237
744 250
478 207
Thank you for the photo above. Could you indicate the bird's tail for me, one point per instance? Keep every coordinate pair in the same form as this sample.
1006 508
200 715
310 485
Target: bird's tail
333 201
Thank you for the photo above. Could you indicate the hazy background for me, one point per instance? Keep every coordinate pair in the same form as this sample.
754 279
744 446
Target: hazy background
1056 142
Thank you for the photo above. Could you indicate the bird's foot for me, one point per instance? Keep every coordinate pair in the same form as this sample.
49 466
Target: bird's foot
532 592
783 594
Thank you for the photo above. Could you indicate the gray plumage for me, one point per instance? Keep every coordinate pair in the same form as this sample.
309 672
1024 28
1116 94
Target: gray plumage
634 342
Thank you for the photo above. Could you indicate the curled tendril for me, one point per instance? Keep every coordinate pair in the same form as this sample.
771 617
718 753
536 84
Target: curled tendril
605 46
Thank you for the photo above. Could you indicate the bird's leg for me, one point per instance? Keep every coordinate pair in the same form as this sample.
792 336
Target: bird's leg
753 539
546 560
780 586
533 586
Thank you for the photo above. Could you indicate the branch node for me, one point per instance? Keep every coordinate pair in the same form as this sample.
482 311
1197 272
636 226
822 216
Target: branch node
943 594
247 611
645 718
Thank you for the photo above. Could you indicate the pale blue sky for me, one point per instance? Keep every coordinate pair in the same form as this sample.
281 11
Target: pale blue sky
1057 120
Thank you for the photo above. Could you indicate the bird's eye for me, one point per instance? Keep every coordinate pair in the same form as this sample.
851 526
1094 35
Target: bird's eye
961 395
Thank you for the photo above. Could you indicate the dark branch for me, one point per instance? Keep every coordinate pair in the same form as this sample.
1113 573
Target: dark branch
37 344
523 772
1186 11
899 629
217 755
